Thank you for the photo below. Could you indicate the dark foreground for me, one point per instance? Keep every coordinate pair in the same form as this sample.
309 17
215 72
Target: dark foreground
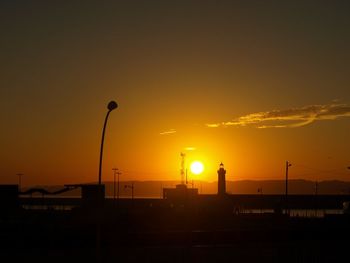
105 235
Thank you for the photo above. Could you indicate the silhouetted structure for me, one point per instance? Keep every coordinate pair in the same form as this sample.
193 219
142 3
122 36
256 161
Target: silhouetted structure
221 180
93 195
180 194
8 197
43 191
111 106
286 198
205 227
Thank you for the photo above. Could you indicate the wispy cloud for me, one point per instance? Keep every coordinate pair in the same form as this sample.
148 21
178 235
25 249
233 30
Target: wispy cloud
289 118
190 149
171 131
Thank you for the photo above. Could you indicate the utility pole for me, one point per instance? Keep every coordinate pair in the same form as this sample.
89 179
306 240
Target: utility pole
316 192
349 169
287 167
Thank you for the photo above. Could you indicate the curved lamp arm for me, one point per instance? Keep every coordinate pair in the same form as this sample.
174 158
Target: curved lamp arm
111 106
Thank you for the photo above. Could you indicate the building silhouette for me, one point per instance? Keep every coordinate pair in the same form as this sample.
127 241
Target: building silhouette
181 190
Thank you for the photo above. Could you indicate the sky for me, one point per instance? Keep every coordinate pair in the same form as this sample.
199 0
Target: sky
247 83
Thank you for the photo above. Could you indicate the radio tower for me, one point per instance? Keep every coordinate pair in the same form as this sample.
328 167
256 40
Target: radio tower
182 171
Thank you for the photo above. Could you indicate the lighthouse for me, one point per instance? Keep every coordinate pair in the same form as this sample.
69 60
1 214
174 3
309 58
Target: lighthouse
221 180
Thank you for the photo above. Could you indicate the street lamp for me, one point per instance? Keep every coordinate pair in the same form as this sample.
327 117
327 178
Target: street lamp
111 106
116 172
287 167
348 169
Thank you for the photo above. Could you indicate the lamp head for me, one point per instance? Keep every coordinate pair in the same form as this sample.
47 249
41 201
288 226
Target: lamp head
112 105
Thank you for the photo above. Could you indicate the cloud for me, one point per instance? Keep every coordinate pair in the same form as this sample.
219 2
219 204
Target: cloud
190 148
289 118
213 125
171 131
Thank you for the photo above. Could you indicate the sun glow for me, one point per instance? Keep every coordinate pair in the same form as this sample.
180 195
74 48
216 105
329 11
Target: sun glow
197 167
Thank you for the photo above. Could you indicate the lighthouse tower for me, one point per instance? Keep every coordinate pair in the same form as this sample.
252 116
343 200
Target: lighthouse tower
221 180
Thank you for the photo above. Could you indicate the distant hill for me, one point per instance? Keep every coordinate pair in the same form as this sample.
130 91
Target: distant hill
154 188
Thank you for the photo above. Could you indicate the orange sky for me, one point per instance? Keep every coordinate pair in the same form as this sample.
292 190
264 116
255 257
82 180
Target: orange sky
248 84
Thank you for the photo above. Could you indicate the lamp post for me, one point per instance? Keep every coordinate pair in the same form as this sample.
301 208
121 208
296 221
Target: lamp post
287 167
316 192
260 190
348 169
111 106
116 172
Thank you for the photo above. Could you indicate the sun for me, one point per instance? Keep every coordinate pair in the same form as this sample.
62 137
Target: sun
197 167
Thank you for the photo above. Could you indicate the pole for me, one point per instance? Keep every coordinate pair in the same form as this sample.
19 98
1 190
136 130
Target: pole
114 173
287 187
261 199
286 180
118 186
287 167
182 171
132 191
111 106
101 151
114 187
161 190
118 173
316 192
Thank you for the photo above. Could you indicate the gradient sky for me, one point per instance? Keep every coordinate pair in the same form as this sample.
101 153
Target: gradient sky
248 83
